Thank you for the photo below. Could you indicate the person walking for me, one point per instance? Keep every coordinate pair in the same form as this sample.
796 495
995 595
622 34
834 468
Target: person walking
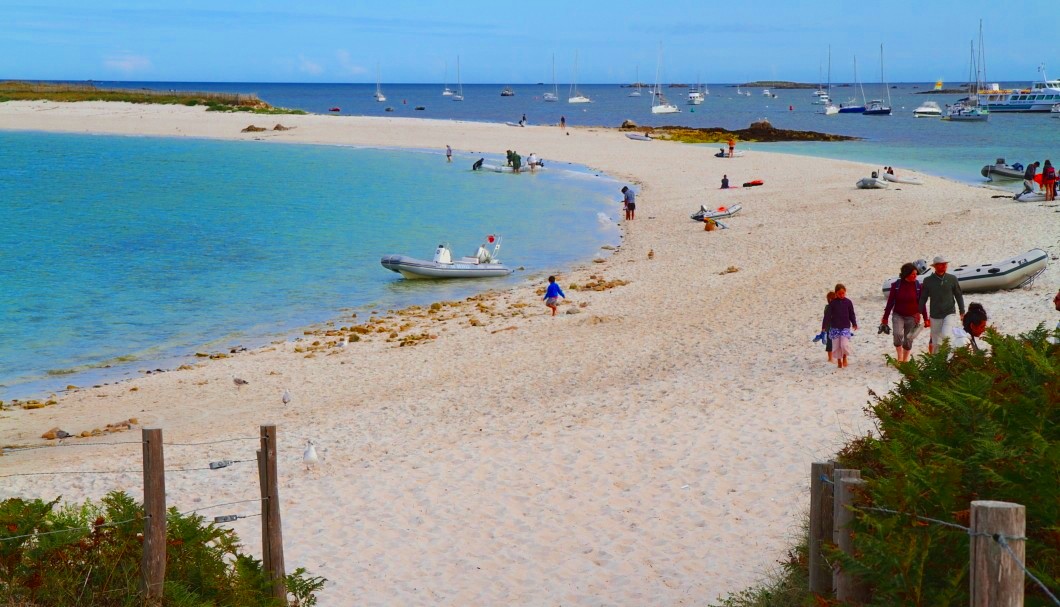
1028 177
552 294
1049 181
840 322
448 153
829 297
944 293
629 203
904 300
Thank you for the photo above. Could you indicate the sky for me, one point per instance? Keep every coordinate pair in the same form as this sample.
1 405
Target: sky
513 42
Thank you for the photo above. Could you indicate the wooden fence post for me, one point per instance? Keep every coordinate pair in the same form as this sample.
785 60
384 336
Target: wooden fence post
153 562
271 532
847 587
996 580
821 516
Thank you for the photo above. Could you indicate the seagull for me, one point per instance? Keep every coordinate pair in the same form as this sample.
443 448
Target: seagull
286 396
239 382
309 456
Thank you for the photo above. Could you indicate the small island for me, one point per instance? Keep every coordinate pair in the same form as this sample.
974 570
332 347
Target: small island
13 90
760 131
777 84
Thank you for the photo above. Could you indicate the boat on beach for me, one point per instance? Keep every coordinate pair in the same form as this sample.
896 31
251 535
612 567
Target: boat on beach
639 136
1010 273
1000 170
872 183
483 264
906 180
719 213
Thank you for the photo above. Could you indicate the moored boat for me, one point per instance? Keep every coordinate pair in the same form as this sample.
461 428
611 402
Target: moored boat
1010 273
1000 170
484 264
928 109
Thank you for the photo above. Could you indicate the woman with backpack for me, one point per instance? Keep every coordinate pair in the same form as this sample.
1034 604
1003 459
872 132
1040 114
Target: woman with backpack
903 300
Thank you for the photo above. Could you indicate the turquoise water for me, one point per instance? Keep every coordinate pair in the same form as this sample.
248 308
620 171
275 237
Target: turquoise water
120 252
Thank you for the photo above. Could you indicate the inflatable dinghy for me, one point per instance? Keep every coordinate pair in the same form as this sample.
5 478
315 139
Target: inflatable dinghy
1030 197
1007 274
496 168
871 183
484 264
906 180
719 213
639 136
724 154
1000 170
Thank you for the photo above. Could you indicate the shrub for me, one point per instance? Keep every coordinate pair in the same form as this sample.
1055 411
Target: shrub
97 563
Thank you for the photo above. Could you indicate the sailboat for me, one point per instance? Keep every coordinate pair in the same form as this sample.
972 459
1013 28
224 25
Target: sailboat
459 95
576 96
447 92
659 104
876 106
636 86
969 109
379 96
852 107
830 109
553 95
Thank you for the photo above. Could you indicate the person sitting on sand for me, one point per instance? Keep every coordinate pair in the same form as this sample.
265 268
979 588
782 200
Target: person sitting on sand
724 182
552 294
840 322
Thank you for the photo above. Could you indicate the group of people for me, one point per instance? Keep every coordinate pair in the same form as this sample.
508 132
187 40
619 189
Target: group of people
1048 179
937 302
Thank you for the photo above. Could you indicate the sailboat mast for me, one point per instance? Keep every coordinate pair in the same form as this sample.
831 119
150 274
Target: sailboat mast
887 88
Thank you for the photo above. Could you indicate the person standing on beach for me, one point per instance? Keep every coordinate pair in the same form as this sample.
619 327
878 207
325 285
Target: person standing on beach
629 203
944 292
552 294
904 300
1028 177
839 321
1049 181
562 122
448 154
732 147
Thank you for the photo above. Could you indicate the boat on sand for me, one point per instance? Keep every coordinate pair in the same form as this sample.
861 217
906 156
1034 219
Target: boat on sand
719 213
483 264
872 183
1010 273
906 180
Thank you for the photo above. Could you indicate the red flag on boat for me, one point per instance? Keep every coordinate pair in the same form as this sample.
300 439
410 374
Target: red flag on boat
490 239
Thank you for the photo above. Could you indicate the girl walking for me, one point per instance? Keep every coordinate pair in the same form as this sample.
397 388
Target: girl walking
904 300
839 321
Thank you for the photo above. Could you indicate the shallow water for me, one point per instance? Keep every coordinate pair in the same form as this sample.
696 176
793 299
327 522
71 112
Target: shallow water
125 252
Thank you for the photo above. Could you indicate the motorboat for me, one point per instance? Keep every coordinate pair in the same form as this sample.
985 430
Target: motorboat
906 180
1055 112
335 109
831 109
966 111
695 97
1000 170
872 183
507 92
1011 273
766 93
928 109
719 213
483 264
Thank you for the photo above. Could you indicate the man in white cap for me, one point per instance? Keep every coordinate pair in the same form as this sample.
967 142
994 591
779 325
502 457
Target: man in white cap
944 292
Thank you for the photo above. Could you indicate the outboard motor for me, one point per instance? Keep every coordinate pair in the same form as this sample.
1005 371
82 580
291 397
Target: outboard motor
442 255
922 266
478 164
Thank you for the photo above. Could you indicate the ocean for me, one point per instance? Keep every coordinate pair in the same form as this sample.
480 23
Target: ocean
123 254
953 150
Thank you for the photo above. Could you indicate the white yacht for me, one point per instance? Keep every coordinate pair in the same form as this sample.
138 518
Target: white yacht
659 104
695 97
928 109
575 95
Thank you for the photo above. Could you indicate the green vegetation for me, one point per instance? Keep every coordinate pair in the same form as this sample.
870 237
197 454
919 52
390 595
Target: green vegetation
960 426
217 102
98 563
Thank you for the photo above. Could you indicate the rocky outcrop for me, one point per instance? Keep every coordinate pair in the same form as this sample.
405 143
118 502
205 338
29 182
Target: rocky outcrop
253 129
759 131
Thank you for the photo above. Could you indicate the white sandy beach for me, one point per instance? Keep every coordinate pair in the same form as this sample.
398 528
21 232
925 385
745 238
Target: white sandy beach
652 449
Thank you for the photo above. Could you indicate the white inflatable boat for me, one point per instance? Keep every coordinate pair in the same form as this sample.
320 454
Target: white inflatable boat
1007 274
639 136
724 154
905 180
496 168
483 264
871 183
719 213
1030 197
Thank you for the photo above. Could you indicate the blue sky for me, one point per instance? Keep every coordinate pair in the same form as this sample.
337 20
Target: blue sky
513 42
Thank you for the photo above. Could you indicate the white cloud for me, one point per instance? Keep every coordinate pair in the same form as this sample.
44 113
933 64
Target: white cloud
309 66
127 63
347 65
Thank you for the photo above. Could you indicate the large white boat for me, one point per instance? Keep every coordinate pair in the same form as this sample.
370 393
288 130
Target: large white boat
1040 96
928 109
659 104
695 97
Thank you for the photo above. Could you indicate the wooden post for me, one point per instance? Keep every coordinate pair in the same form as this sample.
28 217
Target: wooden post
821 516
996 580
848 588
271 532
153 562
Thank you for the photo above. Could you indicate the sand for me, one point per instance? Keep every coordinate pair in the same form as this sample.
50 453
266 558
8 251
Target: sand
653 448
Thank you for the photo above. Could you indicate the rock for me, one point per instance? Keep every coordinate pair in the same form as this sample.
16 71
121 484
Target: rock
55 433
573 311
253 129
762 124
628 124
280 127
651 253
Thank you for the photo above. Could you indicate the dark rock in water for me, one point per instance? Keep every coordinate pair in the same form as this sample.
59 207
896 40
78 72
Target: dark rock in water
628 124
419 108
253 129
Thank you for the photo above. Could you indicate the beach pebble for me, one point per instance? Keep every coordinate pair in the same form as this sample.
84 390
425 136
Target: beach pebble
573 311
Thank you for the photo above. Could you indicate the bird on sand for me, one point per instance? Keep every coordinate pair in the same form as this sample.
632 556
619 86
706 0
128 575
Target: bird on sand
239 382
309 456
286 396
